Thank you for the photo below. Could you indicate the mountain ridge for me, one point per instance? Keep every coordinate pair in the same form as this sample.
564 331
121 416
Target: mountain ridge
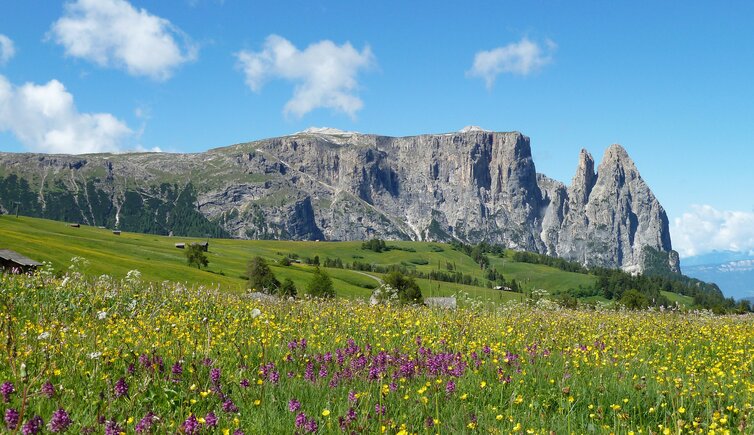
470 186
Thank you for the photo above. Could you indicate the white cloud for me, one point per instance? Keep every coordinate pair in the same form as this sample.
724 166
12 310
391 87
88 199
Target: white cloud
7 49
114 33
45 119
705 229
522 58
324 73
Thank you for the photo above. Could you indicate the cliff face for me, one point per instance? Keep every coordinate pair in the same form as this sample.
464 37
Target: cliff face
470 186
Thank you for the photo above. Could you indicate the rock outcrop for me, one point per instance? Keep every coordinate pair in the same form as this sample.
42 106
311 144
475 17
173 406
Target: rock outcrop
325 184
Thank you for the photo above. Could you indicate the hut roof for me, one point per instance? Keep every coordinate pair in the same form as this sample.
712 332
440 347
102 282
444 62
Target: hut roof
17 258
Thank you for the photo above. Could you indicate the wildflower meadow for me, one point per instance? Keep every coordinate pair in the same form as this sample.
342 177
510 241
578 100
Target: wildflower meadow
99 355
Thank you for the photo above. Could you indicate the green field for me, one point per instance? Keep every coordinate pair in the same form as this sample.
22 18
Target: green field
157 259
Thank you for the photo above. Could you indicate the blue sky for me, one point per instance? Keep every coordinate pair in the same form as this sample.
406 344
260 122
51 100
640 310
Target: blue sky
670 81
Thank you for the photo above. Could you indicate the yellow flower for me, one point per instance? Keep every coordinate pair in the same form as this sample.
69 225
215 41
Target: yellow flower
325 412
681 410
482 384
499 417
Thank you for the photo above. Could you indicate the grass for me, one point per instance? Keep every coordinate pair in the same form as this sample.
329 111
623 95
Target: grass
157 259
121 355
686 301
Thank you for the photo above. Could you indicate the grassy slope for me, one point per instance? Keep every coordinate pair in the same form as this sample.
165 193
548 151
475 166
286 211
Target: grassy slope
157 259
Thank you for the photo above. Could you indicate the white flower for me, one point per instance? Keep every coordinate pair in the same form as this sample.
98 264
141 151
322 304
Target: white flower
255 313
95 355
43 336
102 315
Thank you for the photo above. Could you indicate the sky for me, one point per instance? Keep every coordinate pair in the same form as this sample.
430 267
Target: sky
670 81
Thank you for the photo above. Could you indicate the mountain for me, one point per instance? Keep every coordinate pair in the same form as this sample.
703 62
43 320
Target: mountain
472 186
733 272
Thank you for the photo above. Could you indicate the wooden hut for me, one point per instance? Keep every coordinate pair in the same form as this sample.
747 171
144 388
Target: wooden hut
13 261
75 225
116 232
180 245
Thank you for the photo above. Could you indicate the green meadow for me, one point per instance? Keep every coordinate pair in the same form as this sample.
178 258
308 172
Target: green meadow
157 258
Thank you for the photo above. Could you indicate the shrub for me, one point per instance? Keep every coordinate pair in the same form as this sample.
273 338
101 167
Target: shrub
406 287
261 277
288 289
195 256
634 300
321 285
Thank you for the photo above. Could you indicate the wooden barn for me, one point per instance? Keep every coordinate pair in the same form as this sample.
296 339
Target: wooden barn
13 261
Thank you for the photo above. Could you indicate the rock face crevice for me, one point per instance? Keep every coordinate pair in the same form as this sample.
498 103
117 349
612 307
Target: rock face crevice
471 186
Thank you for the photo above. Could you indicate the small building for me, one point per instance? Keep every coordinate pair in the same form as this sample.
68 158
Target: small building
180 245
11 261
75 225
204 245
116 232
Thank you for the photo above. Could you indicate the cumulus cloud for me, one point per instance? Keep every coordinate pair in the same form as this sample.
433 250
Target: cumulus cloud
45 119
705 229
112 33
521 58
324 73
7 49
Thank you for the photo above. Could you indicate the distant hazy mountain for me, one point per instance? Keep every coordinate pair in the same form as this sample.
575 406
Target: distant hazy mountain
733 272
326 184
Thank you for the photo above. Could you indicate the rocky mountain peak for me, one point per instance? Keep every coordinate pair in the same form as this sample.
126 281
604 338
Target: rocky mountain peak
329 184
472 129
584 179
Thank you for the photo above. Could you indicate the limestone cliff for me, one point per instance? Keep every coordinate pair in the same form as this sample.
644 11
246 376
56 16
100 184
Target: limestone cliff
473 186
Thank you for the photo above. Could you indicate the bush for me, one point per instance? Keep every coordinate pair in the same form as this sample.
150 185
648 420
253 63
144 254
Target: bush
406 287
375 245
634 300
321 285
285 261
288 289
195 256
261 277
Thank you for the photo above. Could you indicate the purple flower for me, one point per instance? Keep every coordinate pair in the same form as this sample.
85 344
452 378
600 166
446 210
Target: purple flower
121 388
352 396
33 426
214 375
112 428
145 424
450 387
429 422
210 419
238 432
59 421
245 383
144 360
311 426
191 425
229 406
11 418
6 390
294 405
177 369
379 409
48 390
300 420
